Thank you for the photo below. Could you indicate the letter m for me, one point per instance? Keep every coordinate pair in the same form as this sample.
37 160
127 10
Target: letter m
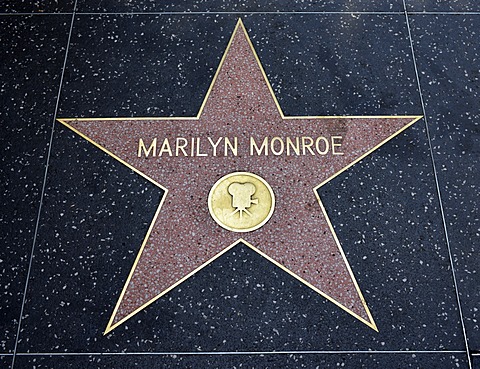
152 148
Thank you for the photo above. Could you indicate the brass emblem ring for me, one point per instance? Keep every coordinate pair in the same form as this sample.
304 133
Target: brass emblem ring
241 202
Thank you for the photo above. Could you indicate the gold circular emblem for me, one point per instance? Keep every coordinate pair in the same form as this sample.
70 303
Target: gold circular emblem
241 202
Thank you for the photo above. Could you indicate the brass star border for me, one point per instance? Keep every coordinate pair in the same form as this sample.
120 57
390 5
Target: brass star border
218 103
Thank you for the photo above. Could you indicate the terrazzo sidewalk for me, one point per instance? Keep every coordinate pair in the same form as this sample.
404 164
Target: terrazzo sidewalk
73 218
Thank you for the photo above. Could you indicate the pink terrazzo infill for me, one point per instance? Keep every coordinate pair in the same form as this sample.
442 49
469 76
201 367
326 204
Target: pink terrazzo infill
241 106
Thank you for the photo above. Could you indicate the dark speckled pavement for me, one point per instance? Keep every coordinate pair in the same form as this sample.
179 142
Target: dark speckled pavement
73 218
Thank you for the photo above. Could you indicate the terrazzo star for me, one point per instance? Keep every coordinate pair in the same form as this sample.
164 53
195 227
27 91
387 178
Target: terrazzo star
188 232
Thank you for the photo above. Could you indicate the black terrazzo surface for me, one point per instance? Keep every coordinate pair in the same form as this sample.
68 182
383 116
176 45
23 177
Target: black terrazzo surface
272 361
143 65
402 259
95 211
448 49
5 361
32 55
201 6
443 6
37 7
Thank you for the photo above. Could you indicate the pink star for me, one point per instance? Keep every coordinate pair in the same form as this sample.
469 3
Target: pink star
240 114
